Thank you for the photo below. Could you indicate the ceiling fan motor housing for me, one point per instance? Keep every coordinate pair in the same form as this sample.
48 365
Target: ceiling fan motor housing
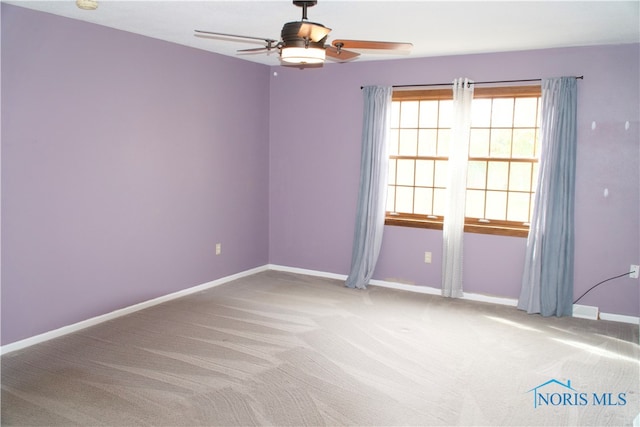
290 37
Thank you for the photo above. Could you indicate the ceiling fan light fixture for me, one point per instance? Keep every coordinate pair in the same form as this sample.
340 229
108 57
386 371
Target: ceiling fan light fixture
302 55
87 4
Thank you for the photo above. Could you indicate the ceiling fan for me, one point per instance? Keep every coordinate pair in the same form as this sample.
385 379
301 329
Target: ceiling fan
304 43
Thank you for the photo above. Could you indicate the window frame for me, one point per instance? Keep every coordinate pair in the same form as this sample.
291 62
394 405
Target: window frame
472 225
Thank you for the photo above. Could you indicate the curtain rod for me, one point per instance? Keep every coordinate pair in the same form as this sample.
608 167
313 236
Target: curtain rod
477 83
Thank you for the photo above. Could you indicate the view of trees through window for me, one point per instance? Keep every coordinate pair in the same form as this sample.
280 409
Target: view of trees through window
503 152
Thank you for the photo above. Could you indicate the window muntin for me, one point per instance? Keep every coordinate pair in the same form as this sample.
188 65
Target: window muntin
503 153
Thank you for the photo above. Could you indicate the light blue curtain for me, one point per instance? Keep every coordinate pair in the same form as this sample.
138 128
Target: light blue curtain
547 282
453 227
373 185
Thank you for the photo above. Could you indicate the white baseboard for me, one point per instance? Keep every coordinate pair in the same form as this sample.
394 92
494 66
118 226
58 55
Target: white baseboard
405 287
306 272
620 318
467 296
402 286
18 345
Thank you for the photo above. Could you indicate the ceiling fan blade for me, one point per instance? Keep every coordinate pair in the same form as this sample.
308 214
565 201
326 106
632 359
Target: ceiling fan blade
367 44
312 31
340 54
255 49
212 33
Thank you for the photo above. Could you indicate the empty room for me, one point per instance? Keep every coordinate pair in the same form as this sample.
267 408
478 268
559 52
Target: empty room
363 213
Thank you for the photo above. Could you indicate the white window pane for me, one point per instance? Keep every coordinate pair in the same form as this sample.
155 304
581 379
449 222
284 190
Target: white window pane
441 173
475 204
423 200
520 177
477 174
502 112
445 116
409 114
427 139
518 207
404 199
405 172
392 172
428 114
497 175
395 114
424 173
525 112
538 146
496 205
481 112
523 143
444 136
391 198
479 143
408 142
500 143
439 200
392 145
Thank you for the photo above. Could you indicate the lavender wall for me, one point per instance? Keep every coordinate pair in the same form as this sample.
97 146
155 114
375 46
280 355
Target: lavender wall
124 161
316 119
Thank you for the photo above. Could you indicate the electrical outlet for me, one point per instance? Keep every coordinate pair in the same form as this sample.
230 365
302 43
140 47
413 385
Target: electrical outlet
634 271
427 257
218 248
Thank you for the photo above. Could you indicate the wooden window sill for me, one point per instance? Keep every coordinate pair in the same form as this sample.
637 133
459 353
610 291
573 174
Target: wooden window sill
499 230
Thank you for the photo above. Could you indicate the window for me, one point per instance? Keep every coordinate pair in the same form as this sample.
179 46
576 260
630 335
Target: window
503 158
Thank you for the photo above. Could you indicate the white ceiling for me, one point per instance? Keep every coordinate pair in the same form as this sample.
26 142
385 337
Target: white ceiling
435 28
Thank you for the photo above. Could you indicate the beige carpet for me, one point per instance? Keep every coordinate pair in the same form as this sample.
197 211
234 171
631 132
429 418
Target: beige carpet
285 349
